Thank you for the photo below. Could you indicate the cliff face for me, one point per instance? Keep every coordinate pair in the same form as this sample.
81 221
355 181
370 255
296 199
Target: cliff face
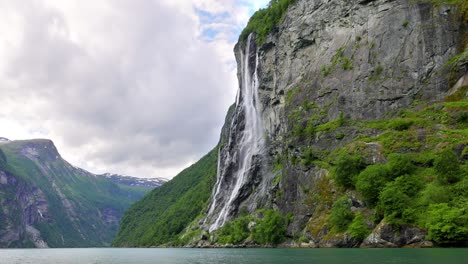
46 202
349 129
365 59
328 68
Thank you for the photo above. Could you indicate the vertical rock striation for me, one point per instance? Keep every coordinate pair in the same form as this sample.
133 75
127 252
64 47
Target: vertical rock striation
355 60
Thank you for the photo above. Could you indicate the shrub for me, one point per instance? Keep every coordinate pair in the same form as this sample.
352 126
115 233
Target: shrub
271 229
265 20
298 130
358 228
409 184
341 215
447 224
235 232
308 157
347 168
371 181
400 124
310 128
393 202
434 193
447 167
399 164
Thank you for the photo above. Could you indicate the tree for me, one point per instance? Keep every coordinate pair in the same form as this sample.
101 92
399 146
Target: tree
341 215
447 224
447 167
346 170
371 181
271 229
358 228
393 202
398 165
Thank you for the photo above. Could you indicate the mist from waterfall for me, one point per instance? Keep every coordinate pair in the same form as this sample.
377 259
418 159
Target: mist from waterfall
251 141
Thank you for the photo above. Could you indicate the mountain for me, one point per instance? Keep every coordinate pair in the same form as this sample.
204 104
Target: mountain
46 202
134 181
350 129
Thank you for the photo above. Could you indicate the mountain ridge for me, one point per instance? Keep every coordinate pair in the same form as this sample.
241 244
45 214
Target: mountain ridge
47 202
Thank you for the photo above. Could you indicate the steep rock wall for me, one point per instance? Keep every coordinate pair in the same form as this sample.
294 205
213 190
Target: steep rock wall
354 60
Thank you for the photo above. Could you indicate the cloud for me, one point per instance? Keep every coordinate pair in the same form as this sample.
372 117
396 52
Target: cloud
128 86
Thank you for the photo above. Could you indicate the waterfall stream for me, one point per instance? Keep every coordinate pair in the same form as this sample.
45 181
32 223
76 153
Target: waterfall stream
249 144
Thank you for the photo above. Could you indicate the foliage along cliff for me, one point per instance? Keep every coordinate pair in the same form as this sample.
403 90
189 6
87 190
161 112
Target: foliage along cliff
46 202
350 129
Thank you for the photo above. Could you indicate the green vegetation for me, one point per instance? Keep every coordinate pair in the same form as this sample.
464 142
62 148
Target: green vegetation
447 167
265 20
423 181
448 224
236 231
341 215
399 166
84 220
347 168
337 59
358 228
393 202
3 160
371 181
462 6
269 227
161 216
331 125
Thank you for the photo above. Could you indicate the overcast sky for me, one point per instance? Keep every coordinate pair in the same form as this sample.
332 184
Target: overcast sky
135 87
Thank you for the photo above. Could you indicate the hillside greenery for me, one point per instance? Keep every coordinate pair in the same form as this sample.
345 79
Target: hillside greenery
268 227
160 217
422 181
76 200
265 20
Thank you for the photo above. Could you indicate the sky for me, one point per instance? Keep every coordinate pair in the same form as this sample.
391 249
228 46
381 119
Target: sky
133 87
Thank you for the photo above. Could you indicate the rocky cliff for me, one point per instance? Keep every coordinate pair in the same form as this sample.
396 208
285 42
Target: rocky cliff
46 202
329 67
350 129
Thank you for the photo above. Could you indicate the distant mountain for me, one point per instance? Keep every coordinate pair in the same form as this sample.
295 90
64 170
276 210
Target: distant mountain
47 202
134 181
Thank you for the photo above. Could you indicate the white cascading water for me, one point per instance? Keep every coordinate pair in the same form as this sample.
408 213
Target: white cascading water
251 142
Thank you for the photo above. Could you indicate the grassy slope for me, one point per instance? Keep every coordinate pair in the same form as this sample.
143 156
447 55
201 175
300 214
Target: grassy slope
164 213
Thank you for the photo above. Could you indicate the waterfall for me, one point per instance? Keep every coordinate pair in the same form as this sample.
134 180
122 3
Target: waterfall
245 146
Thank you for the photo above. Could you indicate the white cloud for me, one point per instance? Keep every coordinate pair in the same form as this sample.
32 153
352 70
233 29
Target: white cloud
126 86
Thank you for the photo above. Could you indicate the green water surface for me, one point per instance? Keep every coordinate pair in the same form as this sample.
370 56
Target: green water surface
245 256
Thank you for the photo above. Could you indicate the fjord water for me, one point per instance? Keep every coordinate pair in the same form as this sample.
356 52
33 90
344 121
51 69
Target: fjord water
227 256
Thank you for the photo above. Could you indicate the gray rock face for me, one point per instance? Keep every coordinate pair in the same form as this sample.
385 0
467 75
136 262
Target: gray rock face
47 202
386 236
360 59
31 204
